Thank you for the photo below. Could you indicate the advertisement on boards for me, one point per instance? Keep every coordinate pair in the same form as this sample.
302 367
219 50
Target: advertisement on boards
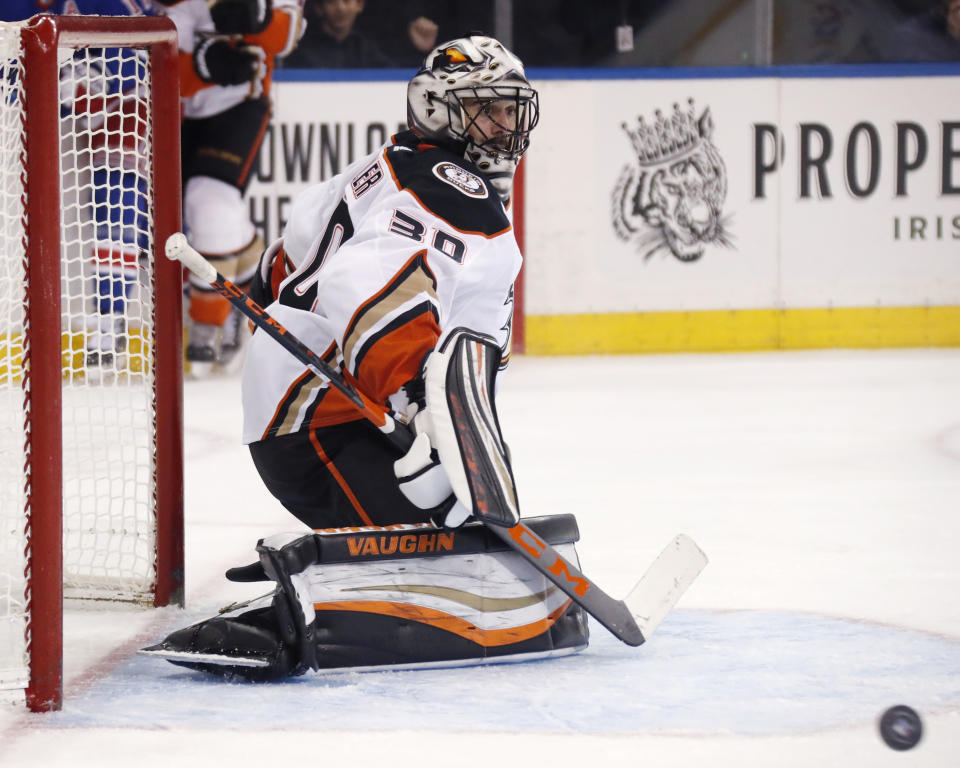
679 195
317 130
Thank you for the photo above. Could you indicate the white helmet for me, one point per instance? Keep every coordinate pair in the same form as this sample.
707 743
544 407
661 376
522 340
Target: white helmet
458 82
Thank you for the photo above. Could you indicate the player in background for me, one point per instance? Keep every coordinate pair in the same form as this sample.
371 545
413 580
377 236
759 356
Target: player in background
399 272
228 50
114 196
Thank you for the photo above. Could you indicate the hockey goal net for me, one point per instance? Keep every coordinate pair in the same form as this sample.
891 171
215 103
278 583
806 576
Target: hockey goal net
91 489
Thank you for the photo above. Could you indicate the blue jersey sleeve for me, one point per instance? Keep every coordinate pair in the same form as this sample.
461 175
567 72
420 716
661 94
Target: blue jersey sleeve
113 7
18 10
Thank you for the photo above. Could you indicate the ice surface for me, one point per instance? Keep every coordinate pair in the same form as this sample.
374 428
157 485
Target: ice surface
823 486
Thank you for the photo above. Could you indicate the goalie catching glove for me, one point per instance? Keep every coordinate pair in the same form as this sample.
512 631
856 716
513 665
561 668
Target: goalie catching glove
459 464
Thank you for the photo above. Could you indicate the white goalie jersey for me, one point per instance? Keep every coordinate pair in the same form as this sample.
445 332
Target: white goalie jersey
377 266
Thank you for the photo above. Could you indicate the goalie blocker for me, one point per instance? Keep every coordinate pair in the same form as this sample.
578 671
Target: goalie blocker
396 596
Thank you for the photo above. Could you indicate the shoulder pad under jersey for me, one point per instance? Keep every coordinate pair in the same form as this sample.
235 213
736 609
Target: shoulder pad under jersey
448 187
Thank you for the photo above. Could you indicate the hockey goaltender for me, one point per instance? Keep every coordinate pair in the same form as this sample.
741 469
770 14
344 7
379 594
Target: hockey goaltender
399 274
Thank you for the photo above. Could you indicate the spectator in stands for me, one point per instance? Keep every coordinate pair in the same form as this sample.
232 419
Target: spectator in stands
855 31
409 30
579 33
422 33
331 40
929 31
953 19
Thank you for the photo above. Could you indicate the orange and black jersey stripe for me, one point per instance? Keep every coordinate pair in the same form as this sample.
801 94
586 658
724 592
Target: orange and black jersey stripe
390 334
383 348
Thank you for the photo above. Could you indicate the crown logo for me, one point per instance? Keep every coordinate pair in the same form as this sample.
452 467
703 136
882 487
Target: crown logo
668 137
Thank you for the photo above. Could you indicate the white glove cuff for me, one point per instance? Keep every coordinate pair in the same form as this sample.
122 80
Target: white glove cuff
422 481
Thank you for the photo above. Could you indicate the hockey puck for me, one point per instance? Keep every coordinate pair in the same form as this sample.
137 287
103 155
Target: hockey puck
901 728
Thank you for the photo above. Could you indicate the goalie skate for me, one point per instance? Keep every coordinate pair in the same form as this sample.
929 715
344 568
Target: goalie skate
243 640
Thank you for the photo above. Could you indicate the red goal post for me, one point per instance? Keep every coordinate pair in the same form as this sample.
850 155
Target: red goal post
91 398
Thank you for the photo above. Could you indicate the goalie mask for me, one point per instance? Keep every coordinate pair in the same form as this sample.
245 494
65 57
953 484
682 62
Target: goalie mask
474 92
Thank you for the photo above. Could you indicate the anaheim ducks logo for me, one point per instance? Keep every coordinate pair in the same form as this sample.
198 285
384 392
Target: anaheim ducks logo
452 60
468 183
674 200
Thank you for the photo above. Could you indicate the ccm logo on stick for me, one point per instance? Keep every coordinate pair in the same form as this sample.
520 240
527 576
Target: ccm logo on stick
530 543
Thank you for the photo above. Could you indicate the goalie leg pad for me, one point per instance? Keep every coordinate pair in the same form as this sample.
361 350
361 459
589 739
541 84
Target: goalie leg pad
465 430
410 596
397 596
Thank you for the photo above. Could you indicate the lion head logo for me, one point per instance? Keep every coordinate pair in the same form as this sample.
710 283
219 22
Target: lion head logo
674 199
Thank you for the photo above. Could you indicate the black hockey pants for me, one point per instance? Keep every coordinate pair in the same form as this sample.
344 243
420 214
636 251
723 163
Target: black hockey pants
335 477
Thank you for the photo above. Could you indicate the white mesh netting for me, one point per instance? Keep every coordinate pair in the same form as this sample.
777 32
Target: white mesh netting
109 413
108 408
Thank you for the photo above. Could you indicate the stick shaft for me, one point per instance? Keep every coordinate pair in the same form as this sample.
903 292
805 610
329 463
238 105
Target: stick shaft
179 249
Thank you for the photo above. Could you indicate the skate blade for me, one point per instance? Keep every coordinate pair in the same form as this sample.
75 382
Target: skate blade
159 652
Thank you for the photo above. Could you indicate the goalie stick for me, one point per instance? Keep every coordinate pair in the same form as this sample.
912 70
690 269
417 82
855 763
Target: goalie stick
632 620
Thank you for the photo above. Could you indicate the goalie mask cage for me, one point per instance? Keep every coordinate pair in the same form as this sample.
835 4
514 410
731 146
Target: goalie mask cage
91 486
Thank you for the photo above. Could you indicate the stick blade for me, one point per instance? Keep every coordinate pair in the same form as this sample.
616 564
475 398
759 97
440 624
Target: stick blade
664 583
